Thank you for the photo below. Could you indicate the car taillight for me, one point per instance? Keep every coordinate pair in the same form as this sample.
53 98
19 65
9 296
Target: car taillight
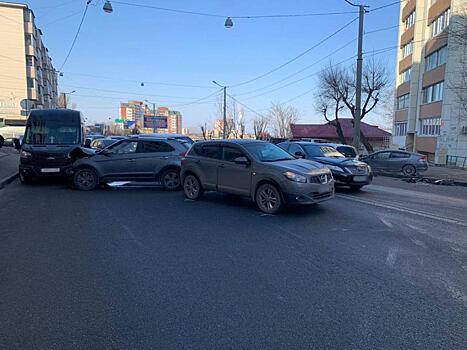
423 159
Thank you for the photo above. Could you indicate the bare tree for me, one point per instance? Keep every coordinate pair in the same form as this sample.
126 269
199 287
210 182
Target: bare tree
281 117
329 97
340 89
458 35
236 119
260 126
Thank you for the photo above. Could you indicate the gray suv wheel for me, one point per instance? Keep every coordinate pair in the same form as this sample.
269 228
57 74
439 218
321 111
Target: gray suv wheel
268 198
170 179
192 187
85 179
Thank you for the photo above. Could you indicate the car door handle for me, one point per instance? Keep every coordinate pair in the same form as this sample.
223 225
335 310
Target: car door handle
165 157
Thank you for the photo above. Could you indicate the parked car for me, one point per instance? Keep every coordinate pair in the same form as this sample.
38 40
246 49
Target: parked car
347 150
396 161
139 158
103 143
179 137
349 172
257 169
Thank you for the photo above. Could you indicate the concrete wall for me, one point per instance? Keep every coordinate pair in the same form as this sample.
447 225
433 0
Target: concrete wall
13 86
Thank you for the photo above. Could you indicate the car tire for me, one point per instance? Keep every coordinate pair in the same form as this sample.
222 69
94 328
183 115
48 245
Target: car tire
85 179
409 170
268 198
170 179
2 141
192 187
26 179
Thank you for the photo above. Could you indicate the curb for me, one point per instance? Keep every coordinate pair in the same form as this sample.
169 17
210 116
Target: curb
9 179
432 180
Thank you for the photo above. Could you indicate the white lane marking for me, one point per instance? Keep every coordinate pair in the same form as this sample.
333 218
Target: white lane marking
264 215
391 257
384 221
404 210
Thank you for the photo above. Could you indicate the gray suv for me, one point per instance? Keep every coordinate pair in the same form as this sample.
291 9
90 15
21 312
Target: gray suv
139 158
256 169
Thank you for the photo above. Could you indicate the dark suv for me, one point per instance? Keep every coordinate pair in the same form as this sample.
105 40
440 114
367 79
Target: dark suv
140 158
256 169
349 172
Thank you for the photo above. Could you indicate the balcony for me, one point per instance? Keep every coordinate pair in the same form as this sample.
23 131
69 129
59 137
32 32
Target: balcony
405 63
32 94
29 27
31 71
408 8
30 50
438 9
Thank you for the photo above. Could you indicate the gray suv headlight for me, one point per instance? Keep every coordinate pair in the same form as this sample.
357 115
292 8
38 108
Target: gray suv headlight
294 177
26 154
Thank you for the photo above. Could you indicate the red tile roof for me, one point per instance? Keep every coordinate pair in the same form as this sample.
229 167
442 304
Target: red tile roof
326 131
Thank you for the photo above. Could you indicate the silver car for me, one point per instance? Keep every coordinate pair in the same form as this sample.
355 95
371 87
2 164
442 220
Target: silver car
407 163
139 158
256 169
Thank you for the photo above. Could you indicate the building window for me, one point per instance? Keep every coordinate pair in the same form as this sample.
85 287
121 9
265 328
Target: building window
436 58
405 75
410 20
403 101
440 23
27 15
29 61
28 39
430 126
30 82
407 49
400 129
433 92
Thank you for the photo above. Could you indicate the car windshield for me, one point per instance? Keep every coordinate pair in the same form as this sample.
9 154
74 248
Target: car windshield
322 151
50 133
347 151
267 152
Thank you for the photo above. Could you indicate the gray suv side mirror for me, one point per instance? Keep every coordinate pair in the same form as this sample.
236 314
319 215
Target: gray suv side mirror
241 161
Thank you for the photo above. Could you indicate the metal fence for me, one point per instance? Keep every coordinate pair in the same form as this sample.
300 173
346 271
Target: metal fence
456 161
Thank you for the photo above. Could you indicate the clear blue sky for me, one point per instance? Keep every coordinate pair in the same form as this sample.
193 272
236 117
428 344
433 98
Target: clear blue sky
135 44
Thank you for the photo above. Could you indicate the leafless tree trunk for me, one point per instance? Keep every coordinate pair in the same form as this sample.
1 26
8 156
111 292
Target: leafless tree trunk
236 119
281 117
260 126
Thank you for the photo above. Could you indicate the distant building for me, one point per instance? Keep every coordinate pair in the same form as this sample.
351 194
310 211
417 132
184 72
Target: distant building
132 114
377 137
29 79
431 60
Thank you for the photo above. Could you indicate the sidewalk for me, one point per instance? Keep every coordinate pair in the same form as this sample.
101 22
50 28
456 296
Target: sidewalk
9 160
457 175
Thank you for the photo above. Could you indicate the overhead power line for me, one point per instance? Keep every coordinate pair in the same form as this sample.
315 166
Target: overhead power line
244 105
76 35
206 14
296 57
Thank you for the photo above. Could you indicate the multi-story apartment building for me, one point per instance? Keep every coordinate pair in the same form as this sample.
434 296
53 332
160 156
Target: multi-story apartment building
132 114
28 78
428 115
174 122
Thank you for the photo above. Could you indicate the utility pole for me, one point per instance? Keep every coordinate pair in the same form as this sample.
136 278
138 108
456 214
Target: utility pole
154 120
358 88
224 132
65 103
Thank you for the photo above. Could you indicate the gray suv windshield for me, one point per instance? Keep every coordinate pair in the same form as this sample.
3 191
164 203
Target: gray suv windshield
267 152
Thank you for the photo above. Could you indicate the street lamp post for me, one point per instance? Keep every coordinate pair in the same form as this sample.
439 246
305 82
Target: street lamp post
224 131
64 97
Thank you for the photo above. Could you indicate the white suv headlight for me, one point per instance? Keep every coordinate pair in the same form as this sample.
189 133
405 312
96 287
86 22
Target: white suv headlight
295 177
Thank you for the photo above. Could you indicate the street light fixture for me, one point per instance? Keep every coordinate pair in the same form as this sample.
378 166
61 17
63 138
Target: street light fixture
107 7
64 97
228 23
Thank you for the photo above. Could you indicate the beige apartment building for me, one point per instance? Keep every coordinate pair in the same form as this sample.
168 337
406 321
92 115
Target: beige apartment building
430 115
28 78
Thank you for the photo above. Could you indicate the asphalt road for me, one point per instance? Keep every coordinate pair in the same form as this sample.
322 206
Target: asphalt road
146 269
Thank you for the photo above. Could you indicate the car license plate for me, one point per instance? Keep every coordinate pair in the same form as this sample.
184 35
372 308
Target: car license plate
50 170
360 178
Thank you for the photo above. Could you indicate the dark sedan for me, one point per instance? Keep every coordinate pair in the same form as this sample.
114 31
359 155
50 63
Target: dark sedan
397 161
349 172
